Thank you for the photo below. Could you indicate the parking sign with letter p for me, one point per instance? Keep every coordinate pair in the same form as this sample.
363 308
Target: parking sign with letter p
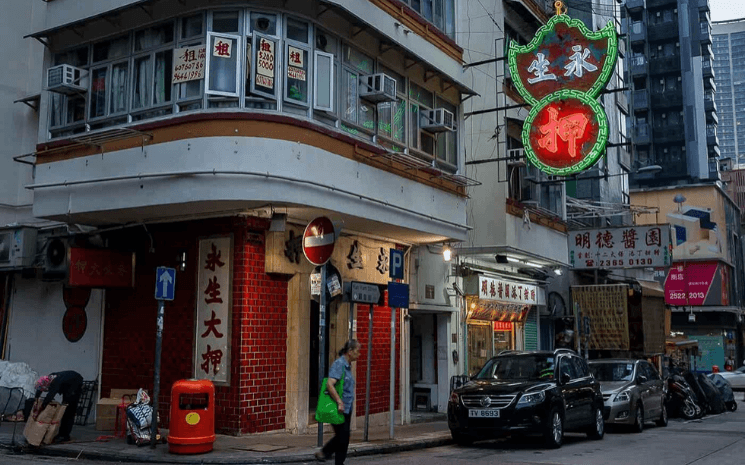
396 268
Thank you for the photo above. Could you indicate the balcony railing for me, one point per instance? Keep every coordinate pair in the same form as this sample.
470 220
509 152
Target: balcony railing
634 6
642 134
657 3
639 66
638 32
641 100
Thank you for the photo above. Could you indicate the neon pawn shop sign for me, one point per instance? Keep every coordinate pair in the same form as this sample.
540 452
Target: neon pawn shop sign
560 74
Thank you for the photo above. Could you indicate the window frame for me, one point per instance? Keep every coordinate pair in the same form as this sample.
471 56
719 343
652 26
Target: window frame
317 83
277 41
237 52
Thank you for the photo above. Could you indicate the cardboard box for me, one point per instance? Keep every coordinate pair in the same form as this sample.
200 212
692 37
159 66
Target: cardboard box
107 406
45 426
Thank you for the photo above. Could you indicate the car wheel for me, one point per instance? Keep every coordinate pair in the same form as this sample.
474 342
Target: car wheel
553 433
461 439
638 425
597 430
662 421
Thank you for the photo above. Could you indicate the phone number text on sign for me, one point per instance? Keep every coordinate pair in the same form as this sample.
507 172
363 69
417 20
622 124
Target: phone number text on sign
265 61
188 63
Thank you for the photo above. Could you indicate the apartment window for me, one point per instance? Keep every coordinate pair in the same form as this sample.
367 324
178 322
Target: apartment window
441 13
256 60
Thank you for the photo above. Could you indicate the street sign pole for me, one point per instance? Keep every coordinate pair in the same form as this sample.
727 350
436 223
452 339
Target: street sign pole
156 383
392 396
323 356
165 289
367 377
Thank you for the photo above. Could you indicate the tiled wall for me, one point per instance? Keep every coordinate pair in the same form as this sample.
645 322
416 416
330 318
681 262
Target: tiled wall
255 399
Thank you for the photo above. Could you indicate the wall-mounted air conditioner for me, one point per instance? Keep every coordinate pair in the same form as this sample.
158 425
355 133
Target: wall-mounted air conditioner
438 120
378 88
17 248
67 79
516 157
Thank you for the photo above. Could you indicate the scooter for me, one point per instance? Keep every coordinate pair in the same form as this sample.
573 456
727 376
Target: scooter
681 399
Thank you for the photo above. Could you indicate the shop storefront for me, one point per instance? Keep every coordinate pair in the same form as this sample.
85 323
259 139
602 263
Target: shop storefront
501 314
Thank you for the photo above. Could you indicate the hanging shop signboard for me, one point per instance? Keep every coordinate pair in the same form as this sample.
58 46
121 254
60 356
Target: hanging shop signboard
212 357
509 291
624 247
560 73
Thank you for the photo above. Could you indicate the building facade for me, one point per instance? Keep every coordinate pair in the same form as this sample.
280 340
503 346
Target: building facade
729 51
672 87
204 136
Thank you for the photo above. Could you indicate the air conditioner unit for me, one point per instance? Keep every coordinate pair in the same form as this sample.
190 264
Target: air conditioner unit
56 260
17 248
378 88
438 120
67 79
516 157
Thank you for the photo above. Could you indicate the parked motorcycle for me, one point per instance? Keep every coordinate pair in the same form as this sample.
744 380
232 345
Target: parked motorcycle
681 400
728 396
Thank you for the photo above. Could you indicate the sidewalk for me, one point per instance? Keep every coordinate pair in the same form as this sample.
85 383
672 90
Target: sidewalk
274 447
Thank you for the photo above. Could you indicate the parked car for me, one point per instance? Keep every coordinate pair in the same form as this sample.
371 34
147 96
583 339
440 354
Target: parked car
545 392
632 390
736 378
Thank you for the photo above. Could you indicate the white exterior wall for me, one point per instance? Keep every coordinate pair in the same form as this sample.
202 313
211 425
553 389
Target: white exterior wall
23 60
35 331
242 154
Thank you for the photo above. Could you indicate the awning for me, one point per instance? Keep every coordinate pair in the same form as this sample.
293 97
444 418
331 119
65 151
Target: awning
651 289
709 308
425 308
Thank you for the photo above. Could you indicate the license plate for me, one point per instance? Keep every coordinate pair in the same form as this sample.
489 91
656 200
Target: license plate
483 413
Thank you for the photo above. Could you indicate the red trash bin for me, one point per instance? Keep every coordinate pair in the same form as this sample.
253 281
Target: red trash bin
192 420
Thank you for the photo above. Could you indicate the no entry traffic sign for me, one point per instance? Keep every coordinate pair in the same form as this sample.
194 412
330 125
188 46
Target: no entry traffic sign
318 240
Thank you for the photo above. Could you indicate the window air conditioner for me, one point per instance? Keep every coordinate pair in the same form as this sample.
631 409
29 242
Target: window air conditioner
516 157
17 248
378 88
438 120
67 79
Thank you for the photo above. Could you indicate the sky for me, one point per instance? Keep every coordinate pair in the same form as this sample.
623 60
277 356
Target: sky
722 10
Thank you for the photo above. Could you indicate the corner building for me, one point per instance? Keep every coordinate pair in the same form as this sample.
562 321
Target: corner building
204 135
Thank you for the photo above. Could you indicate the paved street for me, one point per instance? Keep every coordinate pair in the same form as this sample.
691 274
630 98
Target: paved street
714 440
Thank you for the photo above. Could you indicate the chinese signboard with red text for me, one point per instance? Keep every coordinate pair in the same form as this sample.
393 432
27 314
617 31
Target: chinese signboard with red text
188 63
508 291
101 268
212 357
624 247
560 74
265 64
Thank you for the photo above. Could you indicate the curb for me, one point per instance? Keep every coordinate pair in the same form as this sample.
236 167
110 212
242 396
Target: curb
359 451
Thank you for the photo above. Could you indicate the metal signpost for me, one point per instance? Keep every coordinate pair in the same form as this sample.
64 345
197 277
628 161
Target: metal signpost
165 288
398 297
366 293
318 244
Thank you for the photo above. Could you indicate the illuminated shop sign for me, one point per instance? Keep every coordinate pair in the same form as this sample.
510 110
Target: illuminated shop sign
560 73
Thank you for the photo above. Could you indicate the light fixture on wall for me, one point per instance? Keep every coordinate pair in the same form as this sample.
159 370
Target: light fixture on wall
181 260
558 271
447 254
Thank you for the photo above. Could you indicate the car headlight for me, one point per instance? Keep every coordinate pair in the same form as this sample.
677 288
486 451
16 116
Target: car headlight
622 396
454 397
532 398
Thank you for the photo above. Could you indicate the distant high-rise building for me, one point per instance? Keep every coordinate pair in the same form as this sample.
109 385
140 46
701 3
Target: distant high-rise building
671 77
729 70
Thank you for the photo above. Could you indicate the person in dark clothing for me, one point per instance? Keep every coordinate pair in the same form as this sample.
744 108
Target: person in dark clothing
69 385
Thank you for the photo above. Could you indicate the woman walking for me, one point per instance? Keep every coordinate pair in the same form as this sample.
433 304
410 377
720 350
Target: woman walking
341 368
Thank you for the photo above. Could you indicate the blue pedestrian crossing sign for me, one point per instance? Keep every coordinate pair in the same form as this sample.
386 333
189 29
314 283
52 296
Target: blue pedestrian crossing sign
165 283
